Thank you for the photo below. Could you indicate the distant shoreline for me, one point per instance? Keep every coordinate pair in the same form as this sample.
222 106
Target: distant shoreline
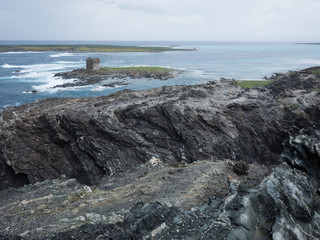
309 43
86 48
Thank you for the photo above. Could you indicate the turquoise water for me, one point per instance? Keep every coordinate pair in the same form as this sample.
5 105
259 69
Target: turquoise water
22 72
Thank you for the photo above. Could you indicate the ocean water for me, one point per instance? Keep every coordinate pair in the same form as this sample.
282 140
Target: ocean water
22 72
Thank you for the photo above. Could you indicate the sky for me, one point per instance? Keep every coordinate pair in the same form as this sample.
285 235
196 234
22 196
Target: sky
160 20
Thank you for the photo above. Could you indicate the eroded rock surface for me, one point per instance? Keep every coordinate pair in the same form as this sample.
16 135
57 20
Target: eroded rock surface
210 161
53 206
88 138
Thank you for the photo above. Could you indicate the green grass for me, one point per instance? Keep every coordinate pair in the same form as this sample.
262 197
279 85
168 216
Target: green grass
148 69
253 83
316 72
85 48
315 90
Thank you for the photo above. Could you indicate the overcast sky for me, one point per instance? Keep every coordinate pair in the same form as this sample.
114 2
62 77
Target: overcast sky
233 20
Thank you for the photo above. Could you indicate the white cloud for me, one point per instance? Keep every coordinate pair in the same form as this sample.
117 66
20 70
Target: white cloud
150 9
160 20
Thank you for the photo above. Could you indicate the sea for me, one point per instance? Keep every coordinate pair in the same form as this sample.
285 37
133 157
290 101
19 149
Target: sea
24 72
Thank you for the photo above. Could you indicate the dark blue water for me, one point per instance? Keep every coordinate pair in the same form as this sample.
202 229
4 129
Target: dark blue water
26 71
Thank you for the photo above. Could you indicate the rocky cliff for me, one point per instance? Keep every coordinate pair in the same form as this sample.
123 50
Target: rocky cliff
205 135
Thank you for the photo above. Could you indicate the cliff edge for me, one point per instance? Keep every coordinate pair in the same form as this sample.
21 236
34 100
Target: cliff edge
223 132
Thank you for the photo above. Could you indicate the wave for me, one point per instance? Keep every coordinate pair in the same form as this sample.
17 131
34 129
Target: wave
118 61
48 88
198 73
6 65
98 88
49 83
24 52
42 75
311 61
66 54
70 62
56 66
11 105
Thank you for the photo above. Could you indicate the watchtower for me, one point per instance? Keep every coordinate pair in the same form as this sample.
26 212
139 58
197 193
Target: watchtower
93 64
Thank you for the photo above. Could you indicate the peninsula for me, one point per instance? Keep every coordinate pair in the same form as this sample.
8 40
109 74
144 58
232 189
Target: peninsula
87 48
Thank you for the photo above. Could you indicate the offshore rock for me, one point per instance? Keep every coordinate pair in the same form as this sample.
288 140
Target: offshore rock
95 75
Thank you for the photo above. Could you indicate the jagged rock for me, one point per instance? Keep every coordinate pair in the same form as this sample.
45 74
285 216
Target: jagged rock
240 168
169 147
88 138
55 206
285 206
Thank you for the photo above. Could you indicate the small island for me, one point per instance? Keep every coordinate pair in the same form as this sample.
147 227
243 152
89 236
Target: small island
94 73
86 48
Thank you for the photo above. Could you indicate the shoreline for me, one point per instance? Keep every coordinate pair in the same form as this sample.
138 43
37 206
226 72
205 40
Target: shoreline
105 165
94 73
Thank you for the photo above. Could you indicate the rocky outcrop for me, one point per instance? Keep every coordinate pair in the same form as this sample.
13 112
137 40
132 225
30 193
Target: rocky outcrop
88 77
45 209
198 157
203 200
88 138
306 79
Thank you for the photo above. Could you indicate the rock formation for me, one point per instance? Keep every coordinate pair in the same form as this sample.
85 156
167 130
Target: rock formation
93 73
210 161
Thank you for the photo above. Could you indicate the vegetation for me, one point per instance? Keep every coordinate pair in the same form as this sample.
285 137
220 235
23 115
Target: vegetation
315 90
253 83
142 69
85 48
316 72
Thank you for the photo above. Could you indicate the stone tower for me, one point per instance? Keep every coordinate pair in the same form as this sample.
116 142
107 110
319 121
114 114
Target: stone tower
93 64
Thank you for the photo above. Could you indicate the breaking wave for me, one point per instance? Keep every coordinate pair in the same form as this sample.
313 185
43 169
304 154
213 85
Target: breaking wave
57 55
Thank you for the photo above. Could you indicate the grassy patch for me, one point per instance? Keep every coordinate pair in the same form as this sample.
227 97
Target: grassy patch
142 69
316 72
315 90
85 48
253 83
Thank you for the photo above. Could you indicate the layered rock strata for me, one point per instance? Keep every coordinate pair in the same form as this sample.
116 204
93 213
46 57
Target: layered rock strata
210 161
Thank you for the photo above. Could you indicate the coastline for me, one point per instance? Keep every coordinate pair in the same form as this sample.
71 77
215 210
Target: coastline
105 165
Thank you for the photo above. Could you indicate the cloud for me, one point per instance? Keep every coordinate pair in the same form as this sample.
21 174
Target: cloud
107 1
150 9
160 20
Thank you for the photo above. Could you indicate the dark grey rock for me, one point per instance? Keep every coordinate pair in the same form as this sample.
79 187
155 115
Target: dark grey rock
92 137
169 147
241 168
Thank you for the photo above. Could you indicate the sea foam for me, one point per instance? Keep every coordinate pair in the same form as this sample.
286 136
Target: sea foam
66 54
42 75
6 65
24 52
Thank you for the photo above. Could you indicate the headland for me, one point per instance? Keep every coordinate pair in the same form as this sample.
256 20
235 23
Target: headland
209 161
